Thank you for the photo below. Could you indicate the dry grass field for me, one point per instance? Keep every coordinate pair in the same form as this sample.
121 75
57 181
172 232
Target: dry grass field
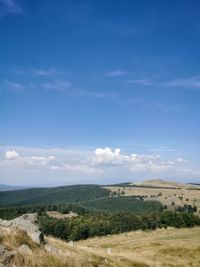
179 194
58 215
160 248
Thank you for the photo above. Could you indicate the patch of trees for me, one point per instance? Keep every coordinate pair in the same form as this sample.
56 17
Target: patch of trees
86 226
187 208
11 213
133 204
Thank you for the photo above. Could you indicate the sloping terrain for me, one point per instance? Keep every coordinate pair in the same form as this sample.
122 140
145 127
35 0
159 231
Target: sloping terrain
171 194
164 247
160 248
74 193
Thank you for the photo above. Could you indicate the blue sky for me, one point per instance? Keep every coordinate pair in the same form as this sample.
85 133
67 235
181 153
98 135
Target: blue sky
80 80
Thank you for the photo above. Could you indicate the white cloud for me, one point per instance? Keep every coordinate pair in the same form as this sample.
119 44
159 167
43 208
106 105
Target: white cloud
144 81
134 162
81 168
65 161
193 82
96 94
15 86
189 82
44 72
99 163
105 155
11 154
58 85
9 8
115 73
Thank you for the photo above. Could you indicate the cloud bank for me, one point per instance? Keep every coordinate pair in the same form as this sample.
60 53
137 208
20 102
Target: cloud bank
99 165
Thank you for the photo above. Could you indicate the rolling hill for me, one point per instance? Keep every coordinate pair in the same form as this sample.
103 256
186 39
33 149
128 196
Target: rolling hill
4 187
74 193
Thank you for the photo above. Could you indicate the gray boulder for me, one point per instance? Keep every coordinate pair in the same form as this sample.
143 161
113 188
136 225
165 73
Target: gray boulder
26 223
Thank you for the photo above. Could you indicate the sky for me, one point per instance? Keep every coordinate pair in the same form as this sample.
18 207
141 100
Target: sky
99 91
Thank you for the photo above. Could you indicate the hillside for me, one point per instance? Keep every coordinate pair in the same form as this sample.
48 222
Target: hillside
171 194
160 248
74 193
165 184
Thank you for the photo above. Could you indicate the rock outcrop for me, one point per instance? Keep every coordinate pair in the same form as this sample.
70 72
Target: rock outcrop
26 223
25 250
6 256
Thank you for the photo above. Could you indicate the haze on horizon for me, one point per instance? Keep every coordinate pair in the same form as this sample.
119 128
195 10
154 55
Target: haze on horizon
99 91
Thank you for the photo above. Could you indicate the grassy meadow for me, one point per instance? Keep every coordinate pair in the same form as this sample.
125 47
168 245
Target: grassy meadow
170 197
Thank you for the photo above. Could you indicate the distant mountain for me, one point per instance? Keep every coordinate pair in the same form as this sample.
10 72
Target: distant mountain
197 184
4 187
160 183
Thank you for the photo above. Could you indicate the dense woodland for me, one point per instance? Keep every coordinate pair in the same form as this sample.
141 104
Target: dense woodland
62 194
134 204
86 226
105 205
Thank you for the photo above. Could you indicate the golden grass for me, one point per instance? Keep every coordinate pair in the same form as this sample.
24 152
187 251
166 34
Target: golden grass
169 247
179 196
40 258
160 248
17 239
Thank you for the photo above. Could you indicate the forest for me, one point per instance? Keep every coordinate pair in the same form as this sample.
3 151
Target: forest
105 216
62 194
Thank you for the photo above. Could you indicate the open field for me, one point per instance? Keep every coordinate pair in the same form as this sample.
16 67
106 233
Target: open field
179 195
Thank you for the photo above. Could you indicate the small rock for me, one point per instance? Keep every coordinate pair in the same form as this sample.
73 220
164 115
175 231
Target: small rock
109 250
51 249
2 250
71 243
25 250
26 223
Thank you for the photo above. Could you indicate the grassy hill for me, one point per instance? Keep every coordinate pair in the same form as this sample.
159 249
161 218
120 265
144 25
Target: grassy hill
160 183
74 193
160 248
171 194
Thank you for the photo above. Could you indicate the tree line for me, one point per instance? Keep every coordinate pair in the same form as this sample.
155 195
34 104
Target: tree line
90 225
64 208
